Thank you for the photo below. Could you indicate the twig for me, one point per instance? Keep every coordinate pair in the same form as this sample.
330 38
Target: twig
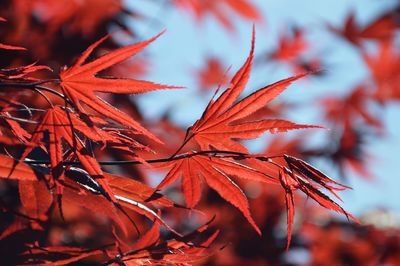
215 153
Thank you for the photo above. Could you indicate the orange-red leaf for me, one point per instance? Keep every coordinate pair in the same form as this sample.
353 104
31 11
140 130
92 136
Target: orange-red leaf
219 128
60 125
382 29
201 8
80 83
300 175
217 173
290 46
212 75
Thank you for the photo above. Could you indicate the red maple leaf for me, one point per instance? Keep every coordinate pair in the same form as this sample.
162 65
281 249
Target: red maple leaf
384 67
80 83
224 121
382 28
291 47
347 110
300 175
201 8
217 173
60 125
212 75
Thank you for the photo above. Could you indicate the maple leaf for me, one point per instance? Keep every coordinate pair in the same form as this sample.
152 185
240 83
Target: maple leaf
80 83
218 126
290 46
301 175
280 145
212 74
201 8
346 110
293 49
217 173
60 125
382 28
384 68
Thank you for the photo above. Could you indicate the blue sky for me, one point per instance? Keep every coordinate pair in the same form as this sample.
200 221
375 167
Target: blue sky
186 44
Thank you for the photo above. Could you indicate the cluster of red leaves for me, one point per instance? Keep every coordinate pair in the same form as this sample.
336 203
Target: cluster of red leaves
62 202
343 243
218 129
64 132
383 65
353 121
353 116
317 239
67 133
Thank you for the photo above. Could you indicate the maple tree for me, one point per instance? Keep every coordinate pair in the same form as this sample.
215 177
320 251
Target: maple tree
79 158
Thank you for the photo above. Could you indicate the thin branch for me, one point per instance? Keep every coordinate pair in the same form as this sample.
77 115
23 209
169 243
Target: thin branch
214 153
45 97
35 86
55 93
28 84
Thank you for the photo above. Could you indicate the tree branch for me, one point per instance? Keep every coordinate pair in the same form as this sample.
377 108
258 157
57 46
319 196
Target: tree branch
215 153
35 86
